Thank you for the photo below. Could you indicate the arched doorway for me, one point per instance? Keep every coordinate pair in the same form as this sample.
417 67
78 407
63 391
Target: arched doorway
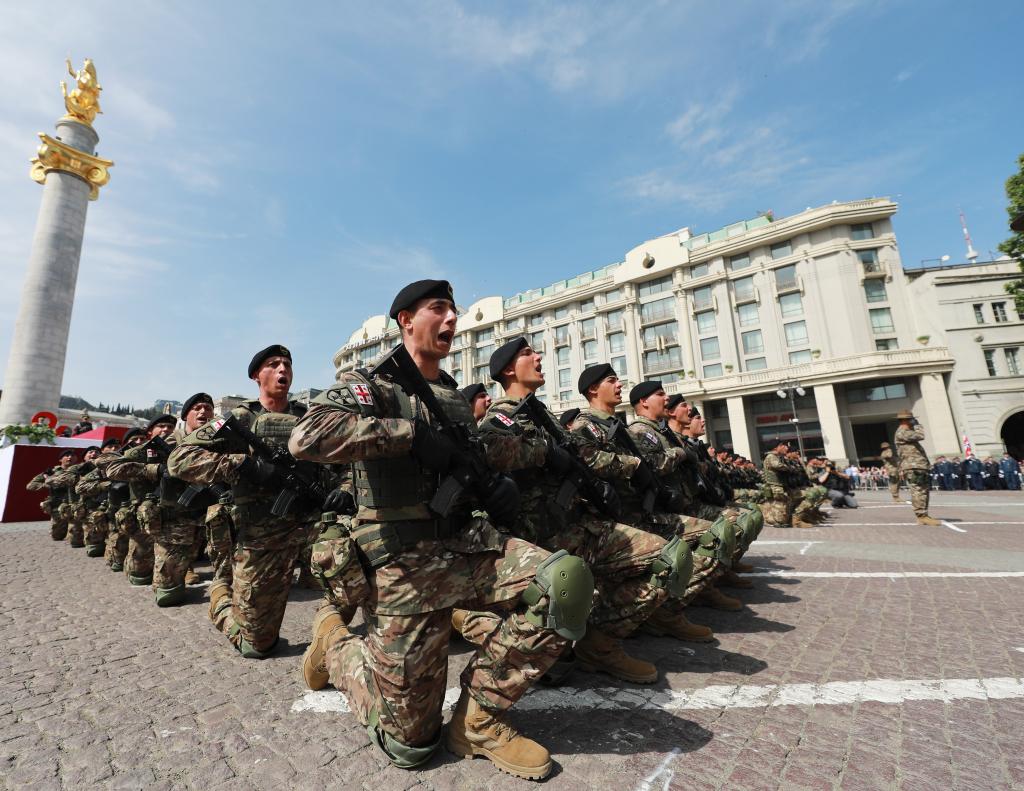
1012 435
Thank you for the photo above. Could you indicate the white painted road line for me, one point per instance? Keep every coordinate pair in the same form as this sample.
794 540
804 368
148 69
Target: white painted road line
884 574
731 696
953 527
912 524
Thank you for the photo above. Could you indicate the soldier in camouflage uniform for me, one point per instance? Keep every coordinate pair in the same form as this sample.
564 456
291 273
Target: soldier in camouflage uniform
892 471
779 508
143 467
121 510
914 465
92 488
74 507
250 606
633 570
55 503
809 493
479 400
422 563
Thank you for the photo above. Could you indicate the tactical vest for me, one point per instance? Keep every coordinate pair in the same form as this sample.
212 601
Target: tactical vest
274 428
771 476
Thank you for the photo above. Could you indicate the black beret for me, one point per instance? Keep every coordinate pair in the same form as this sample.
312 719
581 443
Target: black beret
472 391
421 289
568 416
162 419
674 401
66 453
274 350
505 354
593 375
91 447
198 398
694 412
643 390
132 433
112 442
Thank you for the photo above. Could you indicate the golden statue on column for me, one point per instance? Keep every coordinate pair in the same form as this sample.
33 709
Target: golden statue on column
83 103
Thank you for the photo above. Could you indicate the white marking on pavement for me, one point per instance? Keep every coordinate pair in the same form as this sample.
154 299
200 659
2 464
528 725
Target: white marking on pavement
884 574
912 524
646 784
733 696
953 527
1021 649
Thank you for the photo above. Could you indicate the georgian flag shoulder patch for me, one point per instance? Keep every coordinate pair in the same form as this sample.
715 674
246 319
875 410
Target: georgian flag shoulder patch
362 394
651 438
595 431
504 419
209 431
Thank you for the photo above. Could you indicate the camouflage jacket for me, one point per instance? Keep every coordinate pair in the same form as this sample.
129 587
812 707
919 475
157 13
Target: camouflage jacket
93 485
890 460
666 458
910 450
68 479
140 467
592 431
776 471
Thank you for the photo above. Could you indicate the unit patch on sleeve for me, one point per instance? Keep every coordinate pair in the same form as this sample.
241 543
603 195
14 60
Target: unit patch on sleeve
362 394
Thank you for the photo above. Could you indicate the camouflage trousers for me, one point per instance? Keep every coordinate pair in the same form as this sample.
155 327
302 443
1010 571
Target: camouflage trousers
96 527
219 544
919 483
138 564
75 514
121 528
395 677
894 485
59 523
705 569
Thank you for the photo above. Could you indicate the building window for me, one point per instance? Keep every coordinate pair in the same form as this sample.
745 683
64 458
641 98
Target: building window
652 287
589 351
869 258
613 296
672 376
564 377
514 324
886 344
881 321
562 335
881 390
702 297
785 277
753 342
757 364
482 374
457 376
698 270
564 395
535 320
561 312
536 340
562 355
619 366
747 314
979 313
587 307
796 333
743 288
791 304
874 291
803 356
588 329
709 349
483 353
613 319
485 335
990 361
862 231
667 332
738 262
617 342
781 250
1012 357
706 322
713 370
659 361
999 311
659 309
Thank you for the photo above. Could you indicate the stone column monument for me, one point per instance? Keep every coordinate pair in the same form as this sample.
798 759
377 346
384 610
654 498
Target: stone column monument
71 175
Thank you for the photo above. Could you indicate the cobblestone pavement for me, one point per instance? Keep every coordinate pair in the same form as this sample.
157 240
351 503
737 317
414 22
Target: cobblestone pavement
847 669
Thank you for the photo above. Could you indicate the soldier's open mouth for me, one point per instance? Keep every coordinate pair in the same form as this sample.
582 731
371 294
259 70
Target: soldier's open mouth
446 336
282 380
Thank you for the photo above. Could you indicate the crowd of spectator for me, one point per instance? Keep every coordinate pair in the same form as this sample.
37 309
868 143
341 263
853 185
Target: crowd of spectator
955 474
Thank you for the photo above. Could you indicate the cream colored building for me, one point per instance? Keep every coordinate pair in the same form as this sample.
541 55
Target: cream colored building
817 300
966 308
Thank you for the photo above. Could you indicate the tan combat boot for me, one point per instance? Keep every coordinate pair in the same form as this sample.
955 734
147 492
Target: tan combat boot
474 731
600 653
191 578
924 519
676 625
219 591
714 598
742 568
802 523
731 579
314 662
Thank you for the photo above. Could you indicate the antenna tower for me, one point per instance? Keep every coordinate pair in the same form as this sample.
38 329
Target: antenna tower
972 254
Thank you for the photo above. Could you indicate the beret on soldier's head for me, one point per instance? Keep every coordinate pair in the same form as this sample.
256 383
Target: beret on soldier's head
274 350
133 433
66 453
568 416
643 390
90 447
161 419
421 289
886 445
198 398
472 391
505 354
905 414
674 401
113 442
592 375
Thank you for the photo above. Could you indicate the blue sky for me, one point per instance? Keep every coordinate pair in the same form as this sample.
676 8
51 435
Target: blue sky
280 173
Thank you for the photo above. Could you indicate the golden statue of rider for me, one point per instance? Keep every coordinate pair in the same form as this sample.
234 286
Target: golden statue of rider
83 103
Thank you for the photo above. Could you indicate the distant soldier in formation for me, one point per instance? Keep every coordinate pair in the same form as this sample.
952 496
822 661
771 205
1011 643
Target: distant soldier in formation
914 465
1009 472
892 470
56 503
479 399
121 509
92 488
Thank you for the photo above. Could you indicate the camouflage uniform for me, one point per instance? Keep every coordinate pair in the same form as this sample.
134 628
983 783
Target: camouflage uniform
220 540
73 510
419 568
92 487
892 469
52 504
779 508
914 466
140 467
266 546
592 429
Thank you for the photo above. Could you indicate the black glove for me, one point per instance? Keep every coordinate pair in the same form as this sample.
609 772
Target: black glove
257 471
502 500
431 448
341 502
558 459
603 496
642 478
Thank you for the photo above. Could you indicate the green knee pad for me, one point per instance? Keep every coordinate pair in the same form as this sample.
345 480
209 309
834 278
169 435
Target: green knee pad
749 524
561 595
718 541
168 597
94 550
140 580
247 649
401 755
673 568
117 567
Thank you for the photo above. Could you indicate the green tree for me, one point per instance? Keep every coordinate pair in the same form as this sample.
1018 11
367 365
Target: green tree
1014 246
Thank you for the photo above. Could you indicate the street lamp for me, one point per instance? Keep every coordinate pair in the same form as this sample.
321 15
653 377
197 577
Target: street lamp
790 389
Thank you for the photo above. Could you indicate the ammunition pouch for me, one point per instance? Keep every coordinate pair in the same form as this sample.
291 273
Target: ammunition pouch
382 542
673 568
718 542
561 595
335 562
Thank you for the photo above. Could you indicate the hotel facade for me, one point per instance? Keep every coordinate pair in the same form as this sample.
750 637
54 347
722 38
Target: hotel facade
801 328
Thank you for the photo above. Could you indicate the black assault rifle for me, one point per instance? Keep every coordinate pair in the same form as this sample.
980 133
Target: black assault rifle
470 468
656 490
580 477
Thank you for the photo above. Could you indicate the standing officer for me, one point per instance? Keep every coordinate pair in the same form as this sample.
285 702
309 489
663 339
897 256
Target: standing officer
892 470
914 465
420 563
479 399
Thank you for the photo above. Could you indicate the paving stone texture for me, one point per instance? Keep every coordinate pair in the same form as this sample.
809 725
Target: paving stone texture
101 689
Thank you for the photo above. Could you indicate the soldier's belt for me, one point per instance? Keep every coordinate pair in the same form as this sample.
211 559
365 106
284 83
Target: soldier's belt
381 542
